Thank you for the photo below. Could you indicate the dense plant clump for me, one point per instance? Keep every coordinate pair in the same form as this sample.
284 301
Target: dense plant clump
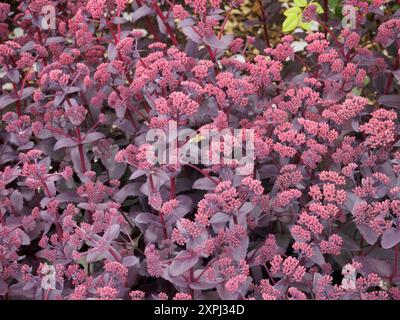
86 214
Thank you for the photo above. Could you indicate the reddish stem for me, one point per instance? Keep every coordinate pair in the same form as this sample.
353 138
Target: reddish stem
115 256
264 23
301 60
203 173
221 32
59 230
119 26
24 80
46 189
395 263
60 132
390 80
326 28
269 275
213 53
19 110
80 148
153 189
191 280
326 10
129 115
172 188
165 23
112 32
164 227
149 24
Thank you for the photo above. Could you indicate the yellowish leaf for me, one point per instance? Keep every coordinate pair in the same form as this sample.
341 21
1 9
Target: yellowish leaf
292 11
290 23
300 3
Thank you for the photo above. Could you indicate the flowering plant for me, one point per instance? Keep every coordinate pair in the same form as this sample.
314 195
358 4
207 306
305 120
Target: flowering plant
88 212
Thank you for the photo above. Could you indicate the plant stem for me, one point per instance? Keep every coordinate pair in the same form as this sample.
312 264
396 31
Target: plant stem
172 188
150 26
191 280
127 220
59 230
390 80
213 53
111 250
264 23
326 10
165 23
80 148
269 275
221 32
46 188
301 60
395 263
328 30
203 173
18 102
164 228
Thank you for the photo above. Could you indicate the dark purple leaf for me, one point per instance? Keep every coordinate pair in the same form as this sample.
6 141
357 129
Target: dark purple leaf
112 232
390 238
27 92
131 189
92 136
182 263
76 159
54 40
6 100
17 201
112 52
373 265
216 43
130 261
368 234
220 217
390 100
204 184
141 12
191 34
64 143
148 218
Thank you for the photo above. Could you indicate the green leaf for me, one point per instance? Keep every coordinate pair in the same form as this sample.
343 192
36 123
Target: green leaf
292 11
366 80
338 12
305 26
356 91
290 23
300 3
333 3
